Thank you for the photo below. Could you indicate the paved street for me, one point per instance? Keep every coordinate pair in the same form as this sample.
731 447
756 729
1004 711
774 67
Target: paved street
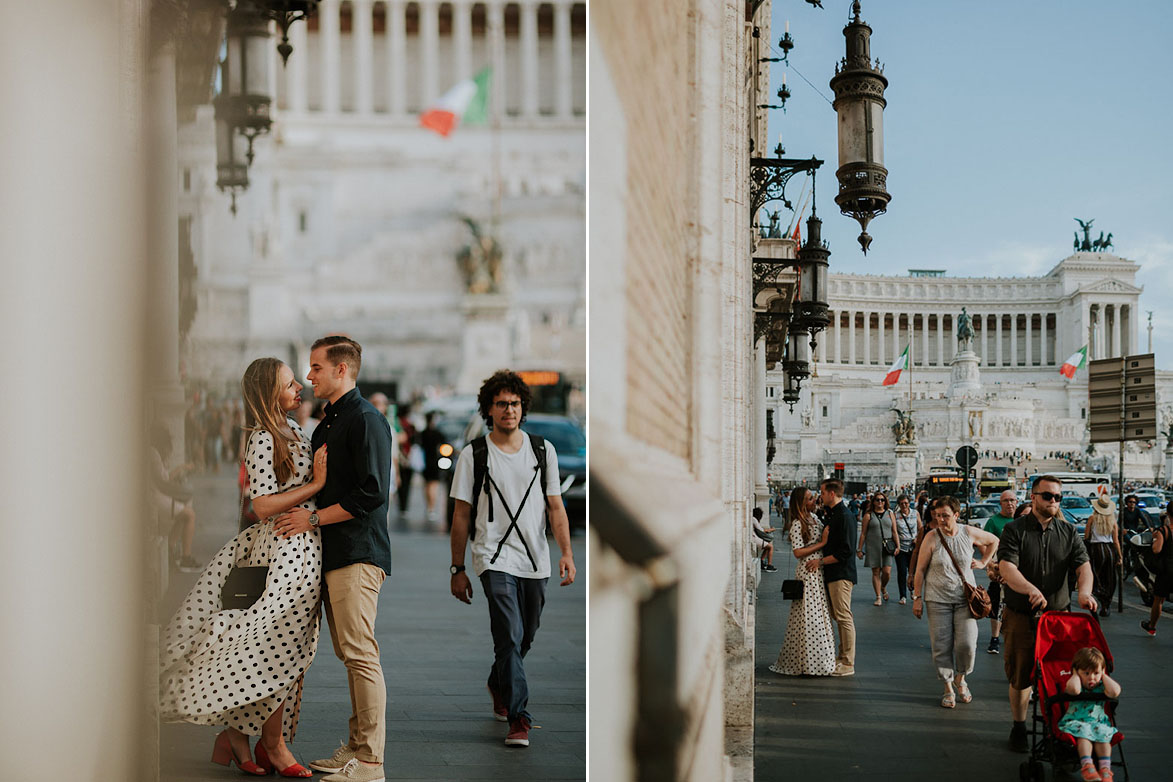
436 653
887 722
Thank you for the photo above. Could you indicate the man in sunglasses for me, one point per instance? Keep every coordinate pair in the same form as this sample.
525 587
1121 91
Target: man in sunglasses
1035 554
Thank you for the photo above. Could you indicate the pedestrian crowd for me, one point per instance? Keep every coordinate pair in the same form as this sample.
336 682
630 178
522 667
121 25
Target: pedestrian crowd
1034 559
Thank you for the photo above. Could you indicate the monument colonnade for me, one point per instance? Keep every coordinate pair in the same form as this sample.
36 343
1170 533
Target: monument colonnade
424 17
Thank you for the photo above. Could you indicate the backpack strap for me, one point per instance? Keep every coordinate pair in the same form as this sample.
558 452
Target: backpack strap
480 473
539 446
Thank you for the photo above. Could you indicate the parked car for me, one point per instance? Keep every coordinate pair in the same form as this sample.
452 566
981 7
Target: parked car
980 511
1080 524
1151 501
1078 507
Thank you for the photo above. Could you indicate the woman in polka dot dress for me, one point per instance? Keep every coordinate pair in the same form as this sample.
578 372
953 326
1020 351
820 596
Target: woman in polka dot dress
243 668
809 646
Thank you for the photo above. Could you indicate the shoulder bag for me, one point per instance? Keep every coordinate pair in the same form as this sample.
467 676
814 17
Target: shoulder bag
889 543
245 585
976 597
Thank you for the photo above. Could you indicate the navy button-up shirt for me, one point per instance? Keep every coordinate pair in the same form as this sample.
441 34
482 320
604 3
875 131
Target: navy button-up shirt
358 477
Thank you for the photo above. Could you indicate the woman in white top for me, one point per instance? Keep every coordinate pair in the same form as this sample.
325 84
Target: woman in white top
907 528
939 586
1102 537
242 668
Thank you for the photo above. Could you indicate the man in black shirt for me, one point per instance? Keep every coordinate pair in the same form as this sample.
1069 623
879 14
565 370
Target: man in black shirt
1134 519
356 550
838 563
1035 554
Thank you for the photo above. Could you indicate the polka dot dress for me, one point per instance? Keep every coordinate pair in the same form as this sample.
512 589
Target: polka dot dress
236 667
809 645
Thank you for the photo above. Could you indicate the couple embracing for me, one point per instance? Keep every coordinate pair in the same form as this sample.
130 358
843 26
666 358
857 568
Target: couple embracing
324 538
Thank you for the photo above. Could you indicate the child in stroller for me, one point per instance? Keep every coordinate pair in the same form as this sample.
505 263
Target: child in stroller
1074 705
1086 720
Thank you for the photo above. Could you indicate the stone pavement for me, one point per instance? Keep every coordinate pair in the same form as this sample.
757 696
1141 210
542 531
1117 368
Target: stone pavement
886 722
436 655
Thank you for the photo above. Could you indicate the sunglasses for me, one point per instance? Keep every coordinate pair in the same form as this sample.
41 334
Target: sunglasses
1048 496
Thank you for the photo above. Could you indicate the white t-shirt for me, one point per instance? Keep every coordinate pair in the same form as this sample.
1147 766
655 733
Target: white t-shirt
512 474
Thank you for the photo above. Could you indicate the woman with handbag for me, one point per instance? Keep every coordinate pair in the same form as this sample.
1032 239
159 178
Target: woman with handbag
1101 536
945 588
878 531
242 667
809 646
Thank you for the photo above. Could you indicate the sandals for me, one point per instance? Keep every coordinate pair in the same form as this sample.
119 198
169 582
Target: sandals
948 700
963 693
885 593
878 602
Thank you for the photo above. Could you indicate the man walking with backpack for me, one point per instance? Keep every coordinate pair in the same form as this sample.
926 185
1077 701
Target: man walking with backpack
505 487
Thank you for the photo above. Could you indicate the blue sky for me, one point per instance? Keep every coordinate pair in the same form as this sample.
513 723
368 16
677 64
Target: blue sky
1005 120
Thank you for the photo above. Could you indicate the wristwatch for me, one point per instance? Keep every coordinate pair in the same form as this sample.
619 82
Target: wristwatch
456 569
315 521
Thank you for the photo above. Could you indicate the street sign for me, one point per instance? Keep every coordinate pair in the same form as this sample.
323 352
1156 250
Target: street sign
1122 398
967 457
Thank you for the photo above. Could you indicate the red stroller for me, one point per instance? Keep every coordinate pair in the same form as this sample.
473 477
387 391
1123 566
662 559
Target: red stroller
1059 635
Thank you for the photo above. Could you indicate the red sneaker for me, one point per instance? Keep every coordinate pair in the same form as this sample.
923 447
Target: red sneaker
1088 773
1106 775
519 733
500 710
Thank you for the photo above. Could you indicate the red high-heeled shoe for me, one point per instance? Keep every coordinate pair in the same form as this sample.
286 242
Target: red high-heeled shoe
222 753
295 770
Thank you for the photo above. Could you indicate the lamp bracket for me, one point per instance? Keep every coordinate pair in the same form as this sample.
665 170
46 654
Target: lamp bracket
768 178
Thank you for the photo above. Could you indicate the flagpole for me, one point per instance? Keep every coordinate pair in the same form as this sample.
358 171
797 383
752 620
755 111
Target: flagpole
911 333
495 99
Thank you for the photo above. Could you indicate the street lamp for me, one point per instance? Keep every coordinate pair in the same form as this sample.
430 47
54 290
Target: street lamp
796 362
285 13
810 309
231 166
859 101
791 387
245 76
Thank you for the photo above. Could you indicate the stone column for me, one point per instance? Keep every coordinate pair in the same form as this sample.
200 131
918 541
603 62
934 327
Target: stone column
896 346
1029 352
331 46
563 63
851 336
495 18
362 36
296 70
1043 354
529 58
867 337
397 58
761 486
1116 330
940 339
462 38
1014 354
998 341
833 348
924 325
430 39
880 338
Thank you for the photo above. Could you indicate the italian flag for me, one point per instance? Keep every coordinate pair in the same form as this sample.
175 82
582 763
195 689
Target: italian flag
1078 359
897 367
465 103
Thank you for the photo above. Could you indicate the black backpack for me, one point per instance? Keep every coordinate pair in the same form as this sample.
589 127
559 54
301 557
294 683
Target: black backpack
480 477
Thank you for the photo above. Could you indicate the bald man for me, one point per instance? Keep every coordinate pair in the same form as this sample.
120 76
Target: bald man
994 525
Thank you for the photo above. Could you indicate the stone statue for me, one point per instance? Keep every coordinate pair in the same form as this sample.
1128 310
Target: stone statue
774 232
1076 245
964 330
1086 244
1107 242
481 261
904 429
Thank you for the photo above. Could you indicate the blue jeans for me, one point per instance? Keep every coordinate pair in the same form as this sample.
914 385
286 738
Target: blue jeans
515 611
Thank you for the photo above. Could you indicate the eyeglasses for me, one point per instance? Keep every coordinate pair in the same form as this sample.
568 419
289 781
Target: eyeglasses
1048 496
503 405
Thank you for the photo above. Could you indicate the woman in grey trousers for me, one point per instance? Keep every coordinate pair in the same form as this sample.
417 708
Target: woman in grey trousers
938 590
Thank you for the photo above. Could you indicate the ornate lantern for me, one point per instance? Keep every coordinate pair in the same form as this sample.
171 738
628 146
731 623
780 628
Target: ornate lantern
285 13
796 362
859 101
231 166
810 309
791 390
245 75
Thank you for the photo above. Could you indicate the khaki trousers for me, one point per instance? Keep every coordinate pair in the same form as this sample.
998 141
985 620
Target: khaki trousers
352 600
839 593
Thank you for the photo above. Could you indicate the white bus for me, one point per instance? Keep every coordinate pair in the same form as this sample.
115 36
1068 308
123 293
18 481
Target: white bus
1079 484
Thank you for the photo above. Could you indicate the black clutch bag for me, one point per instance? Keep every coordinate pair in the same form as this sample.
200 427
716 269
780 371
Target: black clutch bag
792 589
244 586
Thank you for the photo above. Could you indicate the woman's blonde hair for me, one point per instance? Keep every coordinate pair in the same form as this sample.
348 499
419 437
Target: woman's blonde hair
1088 658
262 411
1101 523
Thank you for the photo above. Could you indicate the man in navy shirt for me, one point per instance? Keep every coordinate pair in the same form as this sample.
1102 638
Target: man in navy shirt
356 549
838 563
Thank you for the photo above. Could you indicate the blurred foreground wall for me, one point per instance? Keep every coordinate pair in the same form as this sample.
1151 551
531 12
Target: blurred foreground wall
73 310
673 96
